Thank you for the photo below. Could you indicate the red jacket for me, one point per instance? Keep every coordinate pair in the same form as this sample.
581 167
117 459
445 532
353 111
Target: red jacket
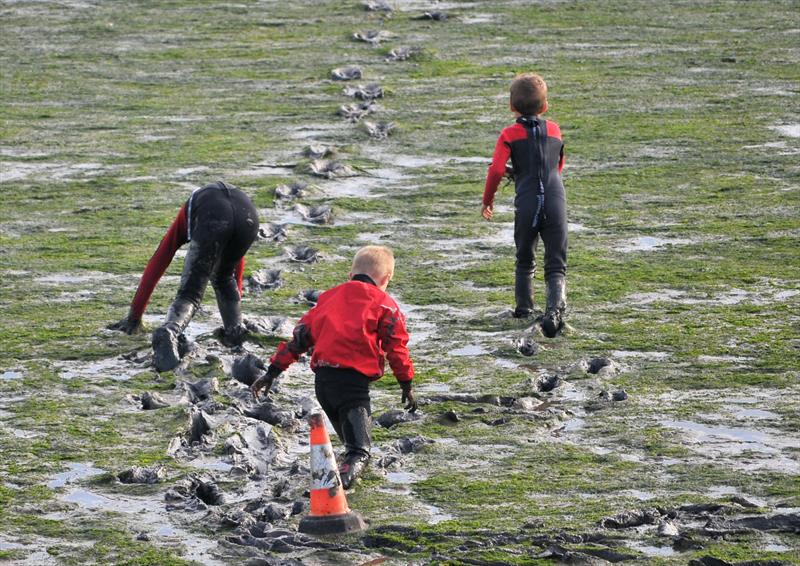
355 325
176 236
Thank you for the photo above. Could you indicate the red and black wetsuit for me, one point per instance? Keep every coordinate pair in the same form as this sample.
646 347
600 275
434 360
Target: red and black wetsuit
353 330
222 223
537 154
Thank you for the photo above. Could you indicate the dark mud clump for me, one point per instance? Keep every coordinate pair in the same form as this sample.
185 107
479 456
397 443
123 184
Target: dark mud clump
497 400
402 53
271 414
199 426
601 366
628 519
449 417
331 169
373 37
605 399
272 232
309 296
527 346
152 401
138 474
194 494
433 16
547 383
711 561
265 279
194 392
296 190
322 214
302 254
354 112
369 92
350 73
395 417
586 556
247 369
786 523
379 131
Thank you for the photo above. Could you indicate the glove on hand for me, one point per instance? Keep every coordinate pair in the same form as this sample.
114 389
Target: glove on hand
265 381
408 397
127 325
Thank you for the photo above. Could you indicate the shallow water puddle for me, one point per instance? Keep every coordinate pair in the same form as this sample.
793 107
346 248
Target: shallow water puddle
118 369
77 471
649 243
650 550
471 350
789 130
11 375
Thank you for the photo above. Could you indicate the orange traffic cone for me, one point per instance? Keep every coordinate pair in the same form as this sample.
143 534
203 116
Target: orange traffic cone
329 511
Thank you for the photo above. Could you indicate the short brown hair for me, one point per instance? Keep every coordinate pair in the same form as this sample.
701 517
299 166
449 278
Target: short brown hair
375 261
528 94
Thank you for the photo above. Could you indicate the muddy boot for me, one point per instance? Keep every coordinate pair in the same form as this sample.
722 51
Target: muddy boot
355 430
523 291
167 346
553 320
230 309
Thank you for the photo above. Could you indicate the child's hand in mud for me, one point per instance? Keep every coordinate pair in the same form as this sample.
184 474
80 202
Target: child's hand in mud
264 382
408 397
127 326
486 211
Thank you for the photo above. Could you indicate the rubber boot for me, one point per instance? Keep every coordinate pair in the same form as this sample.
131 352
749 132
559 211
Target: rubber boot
355 429
167 343
230 309
553 320
523 291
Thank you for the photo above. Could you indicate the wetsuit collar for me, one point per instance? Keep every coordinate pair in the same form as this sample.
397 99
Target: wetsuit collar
364 279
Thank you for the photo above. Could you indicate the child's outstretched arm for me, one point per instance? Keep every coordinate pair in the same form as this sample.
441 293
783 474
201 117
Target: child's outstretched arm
287 354
502 152
175 237
394 341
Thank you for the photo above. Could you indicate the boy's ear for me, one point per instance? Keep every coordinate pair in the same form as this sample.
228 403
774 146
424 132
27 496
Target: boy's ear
544 108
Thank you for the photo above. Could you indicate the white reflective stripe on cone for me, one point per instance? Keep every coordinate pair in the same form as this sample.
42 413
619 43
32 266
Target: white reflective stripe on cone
323 467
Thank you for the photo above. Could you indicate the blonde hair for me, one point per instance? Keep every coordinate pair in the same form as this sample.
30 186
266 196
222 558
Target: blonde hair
528 94
375 261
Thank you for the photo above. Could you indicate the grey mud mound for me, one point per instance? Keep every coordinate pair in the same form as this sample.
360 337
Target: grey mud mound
354 112
152 401
138 474
247 369
377 6
547 383
194 494
527 346
318 151
368 92
395 417
268 412
603 367
194 392
309 296
265 279
628 519
351 73
272 232
402 53
296 190
373 37
321 214
302 254
379 130
331 169
711 561
270 326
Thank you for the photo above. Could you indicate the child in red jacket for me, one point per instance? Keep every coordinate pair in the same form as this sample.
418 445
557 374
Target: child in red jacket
353 329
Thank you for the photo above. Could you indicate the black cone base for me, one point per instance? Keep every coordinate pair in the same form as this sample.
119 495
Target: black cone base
332 524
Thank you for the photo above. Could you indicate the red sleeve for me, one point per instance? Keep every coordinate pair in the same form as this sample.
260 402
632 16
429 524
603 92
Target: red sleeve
240 275
301 342
172 240
394 341
554 131
502 151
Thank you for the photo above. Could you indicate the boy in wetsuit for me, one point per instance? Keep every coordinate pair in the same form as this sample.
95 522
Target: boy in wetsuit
537 155
220 222
353 328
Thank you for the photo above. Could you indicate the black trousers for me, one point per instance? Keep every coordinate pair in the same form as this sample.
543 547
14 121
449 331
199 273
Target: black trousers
344 396
551 227
223 224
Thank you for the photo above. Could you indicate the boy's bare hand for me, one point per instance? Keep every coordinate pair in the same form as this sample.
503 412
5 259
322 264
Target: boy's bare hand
486 211
264 382
408 397
127 326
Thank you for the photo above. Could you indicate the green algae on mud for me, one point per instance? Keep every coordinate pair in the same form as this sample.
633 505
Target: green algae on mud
112 114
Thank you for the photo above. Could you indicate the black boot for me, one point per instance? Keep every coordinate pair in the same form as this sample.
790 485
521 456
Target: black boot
553 320
230 309
523 291
355 429
167 346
